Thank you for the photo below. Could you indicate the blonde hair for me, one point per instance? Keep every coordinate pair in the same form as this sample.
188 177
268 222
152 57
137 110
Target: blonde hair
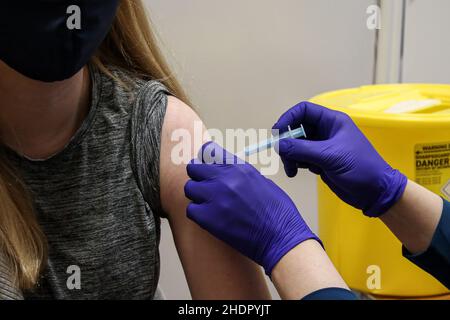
130 45
22 242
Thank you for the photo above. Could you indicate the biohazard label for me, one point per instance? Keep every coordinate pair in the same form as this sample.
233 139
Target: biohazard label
433 167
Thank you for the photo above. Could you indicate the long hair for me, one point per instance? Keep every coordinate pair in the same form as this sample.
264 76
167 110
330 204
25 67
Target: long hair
22 242
130 45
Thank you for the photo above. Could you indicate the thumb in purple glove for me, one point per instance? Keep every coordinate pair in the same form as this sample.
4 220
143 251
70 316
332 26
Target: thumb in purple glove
238 205
343 157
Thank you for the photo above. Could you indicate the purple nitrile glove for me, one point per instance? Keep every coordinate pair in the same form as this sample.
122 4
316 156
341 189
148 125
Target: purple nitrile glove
235 203
343 157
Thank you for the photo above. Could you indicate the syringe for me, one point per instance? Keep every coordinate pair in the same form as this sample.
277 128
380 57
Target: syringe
269 143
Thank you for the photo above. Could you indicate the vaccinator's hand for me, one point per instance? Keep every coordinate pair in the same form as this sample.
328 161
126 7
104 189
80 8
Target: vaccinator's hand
235 203
343 157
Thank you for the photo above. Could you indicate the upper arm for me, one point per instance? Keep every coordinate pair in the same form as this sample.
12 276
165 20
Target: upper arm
213 269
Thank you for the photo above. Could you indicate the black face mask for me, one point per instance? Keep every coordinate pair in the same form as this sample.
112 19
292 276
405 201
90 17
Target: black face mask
51 40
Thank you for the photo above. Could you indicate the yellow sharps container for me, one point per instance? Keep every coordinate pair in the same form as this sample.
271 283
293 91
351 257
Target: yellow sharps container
409 125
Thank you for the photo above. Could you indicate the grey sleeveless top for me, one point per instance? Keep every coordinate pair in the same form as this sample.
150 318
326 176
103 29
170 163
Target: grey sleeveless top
98 199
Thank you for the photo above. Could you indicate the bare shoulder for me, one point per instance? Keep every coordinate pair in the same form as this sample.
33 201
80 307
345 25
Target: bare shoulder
179 116
183 132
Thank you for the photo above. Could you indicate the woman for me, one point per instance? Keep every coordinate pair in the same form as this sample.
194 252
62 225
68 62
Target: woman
86 172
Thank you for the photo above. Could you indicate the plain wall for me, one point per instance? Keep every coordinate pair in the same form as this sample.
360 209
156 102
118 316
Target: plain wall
427 45
244 62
